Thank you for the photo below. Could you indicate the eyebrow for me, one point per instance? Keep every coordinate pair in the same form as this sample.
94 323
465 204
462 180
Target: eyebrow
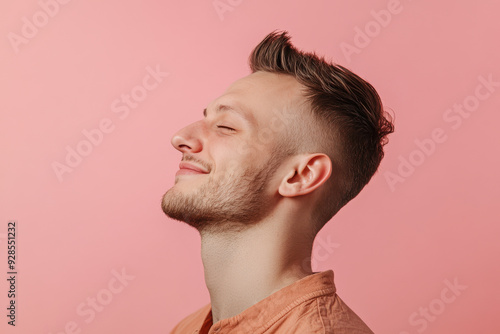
224 108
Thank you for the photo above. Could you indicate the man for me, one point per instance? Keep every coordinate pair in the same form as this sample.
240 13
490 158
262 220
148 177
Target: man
270 163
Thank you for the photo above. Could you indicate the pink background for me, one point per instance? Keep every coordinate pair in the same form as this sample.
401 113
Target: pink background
392 248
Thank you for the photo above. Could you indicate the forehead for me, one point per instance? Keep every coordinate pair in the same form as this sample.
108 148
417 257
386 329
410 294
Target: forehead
263 94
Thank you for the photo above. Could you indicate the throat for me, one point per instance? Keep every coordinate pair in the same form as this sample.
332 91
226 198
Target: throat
241 270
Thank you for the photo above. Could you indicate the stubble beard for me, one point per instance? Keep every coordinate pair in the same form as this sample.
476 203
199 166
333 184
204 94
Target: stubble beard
228 203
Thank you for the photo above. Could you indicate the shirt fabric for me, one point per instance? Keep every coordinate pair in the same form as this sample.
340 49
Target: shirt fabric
309 305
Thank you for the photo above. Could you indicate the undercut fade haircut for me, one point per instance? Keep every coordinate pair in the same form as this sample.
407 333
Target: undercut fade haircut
350 122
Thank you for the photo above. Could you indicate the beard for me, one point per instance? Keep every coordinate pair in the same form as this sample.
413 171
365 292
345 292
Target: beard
232 201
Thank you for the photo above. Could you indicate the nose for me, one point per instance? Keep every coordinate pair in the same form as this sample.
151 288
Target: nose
188 139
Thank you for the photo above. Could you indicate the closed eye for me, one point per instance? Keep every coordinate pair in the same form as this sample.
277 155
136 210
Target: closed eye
225 127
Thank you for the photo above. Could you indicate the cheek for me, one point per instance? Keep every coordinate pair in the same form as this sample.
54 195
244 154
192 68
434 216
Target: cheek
250 150
224 158
231 154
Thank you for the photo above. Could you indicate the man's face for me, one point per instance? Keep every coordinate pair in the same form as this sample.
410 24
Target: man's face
229 157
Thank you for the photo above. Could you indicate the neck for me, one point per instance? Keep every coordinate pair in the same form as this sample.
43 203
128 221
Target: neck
242 268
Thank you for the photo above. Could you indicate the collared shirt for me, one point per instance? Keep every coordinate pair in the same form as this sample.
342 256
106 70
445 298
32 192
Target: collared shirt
309 305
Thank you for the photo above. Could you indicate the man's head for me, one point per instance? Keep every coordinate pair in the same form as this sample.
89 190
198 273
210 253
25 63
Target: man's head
297 128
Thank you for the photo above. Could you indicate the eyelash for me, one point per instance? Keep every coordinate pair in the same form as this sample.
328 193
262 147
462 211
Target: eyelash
225 127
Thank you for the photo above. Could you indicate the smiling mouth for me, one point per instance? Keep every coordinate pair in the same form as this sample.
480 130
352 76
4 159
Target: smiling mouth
187 171
189 168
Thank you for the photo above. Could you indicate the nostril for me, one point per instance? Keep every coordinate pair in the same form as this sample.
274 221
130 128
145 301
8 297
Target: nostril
186 145
177 141
188 139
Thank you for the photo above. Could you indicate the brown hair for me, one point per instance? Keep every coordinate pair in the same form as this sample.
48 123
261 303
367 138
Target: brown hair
348 110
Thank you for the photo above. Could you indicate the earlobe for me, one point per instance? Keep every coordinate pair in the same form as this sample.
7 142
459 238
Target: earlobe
308 173
290 185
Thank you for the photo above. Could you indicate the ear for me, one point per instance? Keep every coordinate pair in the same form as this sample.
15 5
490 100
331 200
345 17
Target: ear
308 173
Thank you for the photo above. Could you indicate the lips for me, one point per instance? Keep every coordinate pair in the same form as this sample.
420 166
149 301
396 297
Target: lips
188 168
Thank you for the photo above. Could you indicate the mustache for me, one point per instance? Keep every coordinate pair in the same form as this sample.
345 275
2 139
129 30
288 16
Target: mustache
206 165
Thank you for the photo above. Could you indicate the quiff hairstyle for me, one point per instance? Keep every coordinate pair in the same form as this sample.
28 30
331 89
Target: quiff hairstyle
347 111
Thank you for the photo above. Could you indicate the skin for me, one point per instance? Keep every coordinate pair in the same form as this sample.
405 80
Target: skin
253 207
